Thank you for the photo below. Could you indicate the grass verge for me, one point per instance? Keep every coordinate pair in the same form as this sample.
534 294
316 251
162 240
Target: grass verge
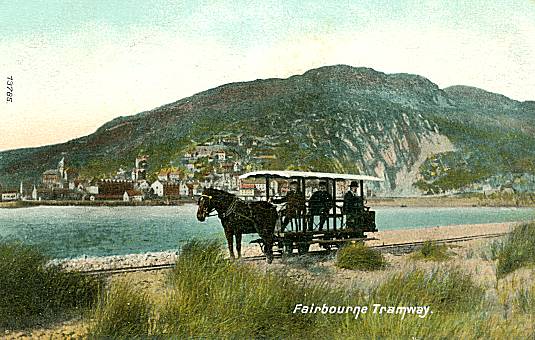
122 312
360 257
431 251
516 251
33 293
212 297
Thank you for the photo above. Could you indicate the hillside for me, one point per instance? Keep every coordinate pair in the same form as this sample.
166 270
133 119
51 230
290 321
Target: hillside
338 118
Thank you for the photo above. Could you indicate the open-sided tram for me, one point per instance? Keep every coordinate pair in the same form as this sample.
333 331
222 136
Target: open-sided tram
329 225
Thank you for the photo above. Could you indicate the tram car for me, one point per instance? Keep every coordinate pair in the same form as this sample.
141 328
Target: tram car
321 217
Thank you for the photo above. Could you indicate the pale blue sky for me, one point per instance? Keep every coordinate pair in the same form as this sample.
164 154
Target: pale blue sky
78 64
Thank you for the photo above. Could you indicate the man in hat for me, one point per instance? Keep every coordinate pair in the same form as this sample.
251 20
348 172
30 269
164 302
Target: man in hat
353 206
320 203
295 205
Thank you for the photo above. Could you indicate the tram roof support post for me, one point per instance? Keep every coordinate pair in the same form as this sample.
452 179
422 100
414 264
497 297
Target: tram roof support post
334 204
362 189
267 188
302 189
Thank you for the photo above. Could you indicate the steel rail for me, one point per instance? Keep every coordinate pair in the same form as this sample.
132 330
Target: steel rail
396 248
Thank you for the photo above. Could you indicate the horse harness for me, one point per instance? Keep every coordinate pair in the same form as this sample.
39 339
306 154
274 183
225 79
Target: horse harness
232 210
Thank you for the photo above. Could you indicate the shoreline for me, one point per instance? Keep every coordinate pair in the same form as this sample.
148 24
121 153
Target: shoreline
148 203
383 238
419 202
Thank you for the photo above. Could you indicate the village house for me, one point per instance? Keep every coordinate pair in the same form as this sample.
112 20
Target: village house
221 155
54 178
92 189
51 178
171 190
247 191
174 176
10 196
184 189
113 187
132 196
157 188
142 186
163 176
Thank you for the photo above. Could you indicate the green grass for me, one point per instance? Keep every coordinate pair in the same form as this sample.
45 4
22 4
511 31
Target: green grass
358 256
446 289
33 293
524 300
516 250
212 297
122 313
431 251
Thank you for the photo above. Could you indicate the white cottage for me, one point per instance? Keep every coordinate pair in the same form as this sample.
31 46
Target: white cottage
157 188
132 195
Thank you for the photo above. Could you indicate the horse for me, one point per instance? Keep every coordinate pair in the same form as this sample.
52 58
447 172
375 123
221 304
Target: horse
239 217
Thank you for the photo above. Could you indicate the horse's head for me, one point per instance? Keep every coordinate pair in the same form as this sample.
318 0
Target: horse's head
213 199
206 205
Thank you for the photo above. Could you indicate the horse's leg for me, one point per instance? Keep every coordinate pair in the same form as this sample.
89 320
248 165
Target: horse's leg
238 243
267 237
228 235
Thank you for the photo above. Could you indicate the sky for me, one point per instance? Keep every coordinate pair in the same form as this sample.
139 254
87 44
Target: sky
78 64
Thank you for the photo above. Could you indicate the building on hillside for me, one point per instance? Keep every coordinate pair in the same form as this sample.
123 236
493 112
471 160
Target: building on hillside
132 196
174 176
171 190
114 187
142 185
51 179
163 176
55 178
157 188
141 166
184 189
220 155
121 174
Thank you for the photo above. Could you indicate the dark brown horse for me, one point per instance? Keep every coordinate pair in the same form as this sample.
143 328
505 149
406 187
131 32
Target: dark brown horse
239 217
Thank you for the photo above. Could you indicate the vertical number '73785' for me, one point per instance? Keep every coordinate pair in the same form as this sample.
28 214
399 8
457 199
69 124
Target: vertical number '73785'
9 92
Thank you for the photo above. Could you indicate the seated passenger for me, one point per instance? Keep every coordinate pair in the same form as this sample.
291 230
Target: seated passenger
295 205
353 207
320 203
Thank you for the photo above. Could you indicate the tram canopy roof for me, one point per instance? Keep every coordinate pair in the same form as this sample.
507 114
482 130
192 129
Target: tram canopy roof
309 175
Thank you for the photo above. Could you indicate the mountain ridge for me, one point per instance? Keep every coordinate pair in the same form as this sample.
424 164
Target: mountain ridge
335 118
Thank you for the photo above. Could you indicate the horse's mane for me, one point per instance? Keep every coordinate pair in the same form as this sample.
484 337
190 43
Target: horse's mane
213 191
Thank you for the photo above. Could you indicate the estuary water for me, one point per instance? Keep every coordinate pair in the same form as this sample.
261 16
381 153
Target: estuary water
66 232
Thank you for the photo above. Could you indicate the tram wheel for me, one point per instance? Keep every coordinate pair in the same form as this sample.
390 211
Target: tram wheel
288 248
302 248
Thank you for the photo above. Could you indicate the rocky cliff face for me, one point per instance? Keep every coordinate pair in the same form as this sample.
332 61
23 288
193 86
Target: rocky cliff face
336 118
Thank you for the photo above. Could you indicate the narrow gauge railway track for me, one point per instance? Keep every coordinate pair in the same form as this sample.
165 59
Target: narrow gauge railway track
393 248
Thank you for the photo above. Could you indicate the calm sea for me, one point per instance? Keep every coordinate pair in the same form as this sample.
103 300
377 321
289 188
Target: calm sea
96 231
